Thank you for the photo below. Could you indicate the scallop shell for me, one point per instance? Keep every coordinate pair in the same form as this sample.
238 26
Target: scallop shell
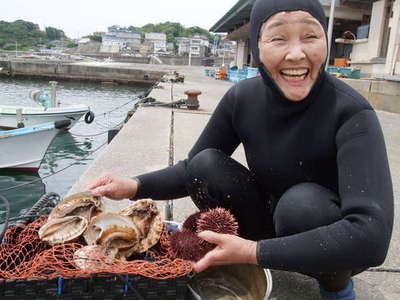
81 204
147 218
61 230
95 256
112 230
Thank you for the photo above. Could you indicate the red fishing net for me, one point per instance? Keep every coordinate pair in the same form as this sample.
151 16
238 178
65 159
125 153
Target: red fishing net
24 256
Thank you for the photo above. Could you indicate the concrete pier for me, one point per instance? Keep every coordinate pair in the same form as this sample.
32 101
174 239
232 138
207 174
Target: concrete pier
147 143
89 71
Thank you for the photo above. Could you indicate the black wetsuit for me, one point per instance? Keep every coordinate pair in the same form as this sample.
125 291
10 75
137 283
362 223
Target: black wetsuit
323 158
333 139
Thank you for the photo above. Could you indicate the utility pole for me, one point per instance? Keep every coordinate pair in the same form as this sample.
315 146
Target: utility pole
16 49
330 30
223 54
215 45
190 52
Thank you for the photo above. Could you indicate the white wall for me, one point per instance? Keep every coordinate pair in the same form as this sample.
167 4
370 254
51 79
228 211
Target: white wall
394 39
377 25
241 53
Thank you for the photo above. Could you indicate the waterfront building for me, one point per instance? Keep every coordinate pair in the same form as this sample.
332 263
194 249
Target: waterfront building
146 48
226 48
60 45
170 47
119 39
183 45
196 46
364 32
159 41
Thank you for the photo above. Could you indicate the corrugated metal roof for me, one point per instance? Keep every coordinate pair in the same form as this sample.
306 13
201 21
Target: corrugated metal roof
239 14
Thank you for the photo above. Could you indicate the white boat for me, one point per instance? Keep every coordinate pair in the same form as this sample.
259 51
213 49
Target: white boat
31 116
46 109
24 148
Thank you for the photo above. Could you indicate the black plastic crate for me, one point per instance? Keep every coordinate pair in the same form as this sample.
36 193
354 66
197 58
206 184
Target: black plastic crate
98 287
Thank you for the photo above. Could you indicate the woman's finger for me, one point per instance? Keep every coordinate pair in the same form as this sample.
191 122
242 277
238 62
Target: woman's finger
202 264
104 190
102 180
211 237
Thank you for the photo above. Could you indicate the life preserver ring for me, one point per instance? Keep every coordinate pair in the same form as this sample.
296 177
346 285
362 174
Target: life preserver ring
89 117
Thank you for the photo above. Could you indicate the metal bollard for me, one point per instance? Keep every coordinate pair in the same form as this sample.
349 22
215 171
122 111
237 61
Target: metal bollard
192 101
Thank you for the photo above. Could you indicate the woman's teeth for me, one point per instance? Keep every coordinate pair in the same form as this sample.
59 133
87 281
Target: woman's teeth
293 75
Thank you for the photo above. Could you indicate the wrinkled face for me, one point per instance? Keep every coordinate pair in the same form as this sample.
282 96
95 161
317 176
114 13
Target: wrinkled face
293 48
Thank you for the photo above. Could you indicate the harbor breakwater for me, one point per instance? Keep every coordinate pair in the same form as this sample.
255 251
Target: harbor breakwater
98 72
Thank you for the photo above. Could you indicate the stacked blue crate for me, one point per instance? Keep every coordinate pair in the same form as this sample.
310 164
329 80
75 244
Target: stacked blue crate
210 73
252 72
236 75
348 72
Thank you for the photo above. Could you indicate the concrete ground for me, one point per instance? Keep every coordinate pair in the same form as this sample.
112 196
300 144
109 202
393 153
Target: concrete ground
144 145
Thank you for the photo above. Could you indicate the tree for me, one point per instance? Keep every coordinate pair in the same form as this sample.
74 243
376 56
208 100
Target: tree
172 30
72 45
54 33
27 34
95 37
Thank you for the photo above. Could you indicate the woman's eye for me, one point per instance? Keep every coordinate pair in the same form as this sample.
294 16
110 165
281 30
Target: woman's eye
311 36
277 39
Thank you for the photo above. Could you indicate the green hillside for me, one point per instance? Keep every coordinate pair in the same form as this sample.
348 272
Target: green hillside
173 30
26 35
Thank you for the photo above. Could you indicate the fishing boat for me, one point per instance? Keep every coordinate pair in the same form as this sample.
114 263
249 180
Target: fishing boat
46 109
24 148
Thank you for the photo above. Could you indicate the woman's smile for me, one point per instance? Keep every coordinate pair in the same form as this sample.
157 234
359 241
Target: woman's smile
293 50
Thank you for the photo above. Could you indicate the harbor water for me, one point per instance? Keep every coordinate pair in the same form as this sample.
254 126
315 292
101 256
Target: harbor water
70 152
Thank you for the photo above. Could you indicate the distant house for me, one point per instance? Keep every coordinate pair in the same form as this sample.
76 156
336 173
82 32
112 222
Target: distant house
60 45
226 48
183 45
199 46
118 39
195 46
159 41
170 47
146 48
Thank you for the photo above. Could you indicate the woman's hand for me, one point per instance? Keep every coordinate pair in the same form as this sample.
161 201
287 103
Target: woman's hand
230 249
114 187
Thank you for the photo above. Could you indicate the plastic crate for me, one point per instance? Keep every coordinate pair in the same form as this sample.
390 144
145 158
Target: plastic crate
345 71
102 286
252 72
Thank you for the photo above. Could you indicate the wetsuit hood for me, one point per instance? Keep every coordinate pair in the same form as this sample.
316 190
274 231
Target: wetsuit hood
264 9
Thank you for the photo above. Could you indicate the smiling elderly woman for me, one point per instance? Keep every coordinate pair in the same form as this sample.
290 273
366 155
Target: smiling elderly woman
317 195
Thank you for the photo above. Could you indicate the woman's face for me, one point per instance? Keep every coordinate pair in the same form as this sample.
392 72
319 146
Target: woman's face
293 49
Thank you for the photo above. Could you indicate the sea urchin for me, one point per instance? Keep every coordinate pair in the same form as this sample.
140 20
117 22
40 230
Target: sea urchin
187 245
191 222
218 220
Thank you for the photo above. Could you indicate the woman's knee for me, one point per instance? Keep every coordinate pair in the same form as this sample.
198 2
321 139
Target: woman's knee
304 207
204 162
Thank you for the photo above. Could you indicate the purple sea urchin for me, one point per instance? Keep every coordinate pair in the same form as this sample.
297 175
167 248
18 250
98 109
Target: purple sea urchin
191 222
187 245
219 220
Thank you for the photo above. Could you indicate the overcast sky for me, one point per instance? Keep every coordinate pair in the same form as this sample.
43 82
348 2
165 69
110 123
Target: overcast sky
82 17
